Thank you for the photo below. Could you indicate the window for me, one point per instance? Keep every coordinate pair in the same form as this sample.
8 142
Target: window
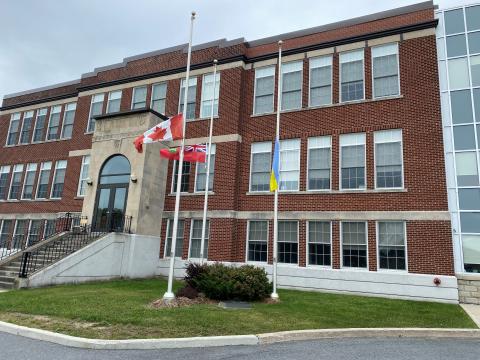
184 185
351 76
82 182
4 174
58 179
139 98
113 103
19 234
472 14
196 239
16 183
257 239
14 129
471 252
68 118
391 245
26 127
319 163
458 73
292 85
179 241
456 45
352 159
466 166
469 199
388 159
385 70
54 122
454 22
319 243
159 96
354 244
43 180
192 97
96 109
260 166
320 81
475 68
264 88
29 181
201 173
6 233
464 137
207 95
39 125
289 165
461 103
288 242
50 228
36 227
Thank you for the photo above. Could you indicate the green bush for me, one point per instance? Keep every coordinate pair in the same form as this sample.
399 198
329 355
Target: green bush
221 282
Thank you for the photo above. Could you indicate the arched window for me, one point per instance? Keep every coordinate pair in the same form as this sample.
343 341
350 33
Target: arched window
116 170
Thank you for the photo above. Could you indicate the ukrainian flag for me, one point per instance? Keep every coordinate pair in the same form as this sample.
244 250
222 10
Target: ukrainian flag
275 175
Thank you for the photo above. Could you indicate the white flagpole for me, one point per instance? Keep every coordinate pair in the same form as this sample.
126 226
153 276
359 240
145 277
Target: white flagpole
275 207
169 295
209 149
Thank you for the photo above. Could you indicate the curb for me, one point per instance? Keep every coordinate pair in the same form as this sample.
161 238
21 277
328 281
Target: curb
215 341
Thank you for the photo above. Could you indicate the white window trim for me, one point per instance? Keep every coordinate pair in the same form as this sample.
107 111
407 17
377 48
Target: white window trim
340 78
251 163
10 128
196 172
191 234
377 243
133 96
82 174
307 252
310 68
301 86
39 176
35 125
210 100
398 72
308 162
340 165
151 97
248 236
109 100
298 245
342 267
280 164
54 175
63 120
90 112
182 98
165 255
11 180
25 181
375 162
255 90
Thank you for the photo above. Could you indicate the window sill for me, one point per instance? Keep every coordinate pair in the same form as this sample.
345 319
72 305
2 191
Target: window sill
202 119
327 192
346 268
37 142
192 194
354 102
29 200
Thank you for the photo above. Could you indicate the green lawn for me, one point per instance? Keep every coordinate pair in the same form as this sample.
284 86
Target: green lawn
119 310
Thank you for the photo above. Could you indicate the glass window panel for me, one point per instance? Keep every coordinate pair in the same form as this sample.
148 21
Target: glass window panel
354 244
201 174
43 180
139 97
179 240
456 45
470 222
185 181
464 137
260 167
472 13
385 70
461 107
471 252
257 241
264 87
292 85
353 167
4 174
319 247
474 42
116 165
96 109
469 199
441 49
391 245
289 164
39 125
467 172
114 99
458 73
288 242
26 127
159 95
191 98
454 22
207 95
196 240
320 81
475 69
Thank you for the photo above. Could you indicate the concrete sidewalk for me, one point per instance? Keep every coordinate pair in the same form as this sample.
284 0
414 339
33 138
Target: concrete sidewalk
473 311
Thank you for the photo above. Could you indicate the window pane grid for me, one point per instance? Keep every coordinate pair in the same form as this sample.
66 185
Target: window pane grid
196 240
354 244
288 242
319 248
179 241
257 241
391 245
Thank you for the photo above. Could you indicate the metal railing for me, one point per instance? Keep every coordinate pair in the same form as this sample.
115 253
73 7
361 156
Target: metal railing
12 243
78 236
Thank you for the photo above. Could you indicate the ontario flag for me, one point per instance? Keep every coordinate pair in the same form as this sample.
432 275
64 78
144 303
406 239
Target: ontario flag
192 153
167 130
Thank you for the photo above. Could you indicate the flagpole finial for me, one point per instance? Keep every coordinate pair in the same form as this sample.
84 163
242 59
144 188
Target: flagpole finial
193 14
215 62
280 42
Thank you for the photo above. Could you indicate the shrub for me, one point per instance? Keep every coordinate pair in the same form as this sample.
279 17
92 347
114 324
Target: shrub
221 282
188 292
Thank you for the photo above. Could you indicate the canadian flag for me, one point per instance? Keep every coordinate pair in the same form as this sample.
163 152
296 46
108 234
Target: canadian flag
168 130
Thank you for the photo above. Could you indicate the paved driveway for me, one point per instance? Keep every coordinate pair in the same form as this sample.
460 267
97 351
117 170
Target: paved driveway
19 348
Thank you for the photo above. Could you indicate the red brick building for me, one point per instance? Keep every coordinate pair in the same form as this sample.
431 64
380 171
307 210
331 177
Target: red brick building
362 203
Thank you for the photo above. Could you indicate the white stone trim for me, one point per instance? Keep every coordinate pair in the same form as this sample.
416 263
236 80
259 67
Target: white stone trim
83 152
352 46
39 106
384 40
419 33
320 52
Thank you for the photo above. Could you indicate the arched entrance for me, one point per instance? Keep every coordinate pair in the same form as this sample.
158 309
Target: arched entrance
112 193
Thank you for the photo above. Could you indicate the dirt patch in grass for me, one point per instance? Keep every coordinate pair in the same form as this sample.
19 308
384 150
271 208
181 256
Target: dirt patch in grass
181 302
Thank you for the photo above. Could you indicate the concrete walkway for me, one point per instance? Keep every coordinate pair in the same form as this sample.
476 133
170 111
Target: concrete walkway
473 311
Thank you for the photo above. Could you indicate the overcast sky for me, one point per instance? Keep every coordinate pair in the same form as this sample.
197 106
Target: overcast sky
44 42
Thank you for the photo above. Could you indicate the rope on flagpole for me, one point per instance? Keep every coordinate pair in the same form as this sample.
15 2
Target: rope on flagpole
209 149
169 295
274 294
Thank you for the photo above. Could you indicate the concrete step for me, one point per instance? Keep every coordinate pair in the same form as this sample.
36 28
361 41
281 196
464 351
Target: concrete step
10 268
4 285
8 273
7 279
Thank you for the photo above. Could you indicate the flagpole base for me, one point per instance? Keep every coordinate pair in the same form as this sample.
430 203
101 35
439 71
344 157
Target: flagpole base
168 296
274 296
